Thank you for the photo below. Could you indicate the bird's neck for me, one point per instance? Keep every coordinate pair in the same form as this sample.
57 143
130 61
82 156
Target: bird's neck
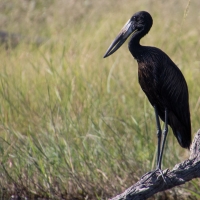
134 45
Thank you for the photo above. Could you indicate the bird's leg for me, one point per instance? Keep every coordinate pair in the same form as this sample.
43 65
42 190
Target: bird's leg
165 131
158 134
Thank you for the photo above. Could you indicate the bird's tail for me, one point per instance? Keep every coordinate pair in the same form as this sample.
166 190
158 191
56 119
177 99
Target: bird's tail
181 131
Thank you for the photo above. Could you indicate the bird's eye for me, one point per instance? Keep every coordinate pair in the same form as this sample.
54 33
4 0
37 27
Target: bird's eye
137 19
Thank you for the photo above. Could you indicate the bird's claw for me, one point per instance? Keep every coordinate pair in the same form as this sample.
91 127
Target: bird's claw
153 172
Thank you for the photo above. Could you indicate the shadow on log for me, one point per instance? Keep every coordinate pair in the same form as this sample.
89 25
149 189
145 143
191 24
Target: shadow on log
150 184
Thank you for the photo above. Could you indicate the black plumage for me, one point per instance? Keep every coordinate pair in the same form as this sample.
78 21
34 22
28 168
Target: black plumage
160 79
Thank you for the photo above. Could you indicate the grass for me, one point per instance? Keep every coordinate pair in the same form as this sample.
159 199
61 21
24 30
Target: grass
75 125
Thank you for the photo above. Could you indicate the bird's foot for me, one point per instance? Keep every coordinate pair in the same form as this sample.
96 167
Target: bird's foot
161 172
154 172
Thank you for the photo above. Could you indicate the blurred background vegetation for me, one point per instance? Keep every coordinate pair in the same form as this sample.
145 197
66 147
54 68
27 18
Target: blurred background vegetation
72 124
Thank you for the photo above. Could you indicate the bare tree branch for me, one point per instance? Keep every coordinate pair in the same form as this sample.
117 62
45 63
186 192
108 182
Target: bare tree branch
152 183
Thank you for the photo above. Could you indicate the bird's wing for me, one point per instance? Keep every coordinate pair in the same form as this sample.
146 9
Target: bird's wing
174 93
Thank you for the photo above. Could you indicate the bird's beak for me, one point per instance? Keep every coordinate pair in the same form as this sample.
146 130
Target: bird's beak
121 38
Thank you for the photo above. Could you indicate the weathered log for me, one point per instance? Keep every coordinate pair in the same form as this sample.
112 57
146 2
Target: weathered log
152 183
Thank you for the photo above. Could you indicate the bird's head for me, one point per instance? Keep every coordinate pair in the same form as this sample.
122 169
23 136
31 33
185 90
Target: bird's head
140 22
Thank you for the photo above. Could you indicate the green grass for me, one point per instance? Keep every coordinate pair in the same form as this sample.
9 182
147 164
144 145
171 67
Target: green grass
73 124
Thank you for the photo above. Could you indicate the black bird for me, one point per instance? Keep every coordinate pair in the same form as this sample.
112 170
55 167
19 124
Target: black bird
160 79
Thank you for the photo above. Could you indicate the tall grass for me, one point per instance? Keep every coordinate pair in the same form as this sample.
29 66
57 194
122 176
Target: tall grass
75 125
